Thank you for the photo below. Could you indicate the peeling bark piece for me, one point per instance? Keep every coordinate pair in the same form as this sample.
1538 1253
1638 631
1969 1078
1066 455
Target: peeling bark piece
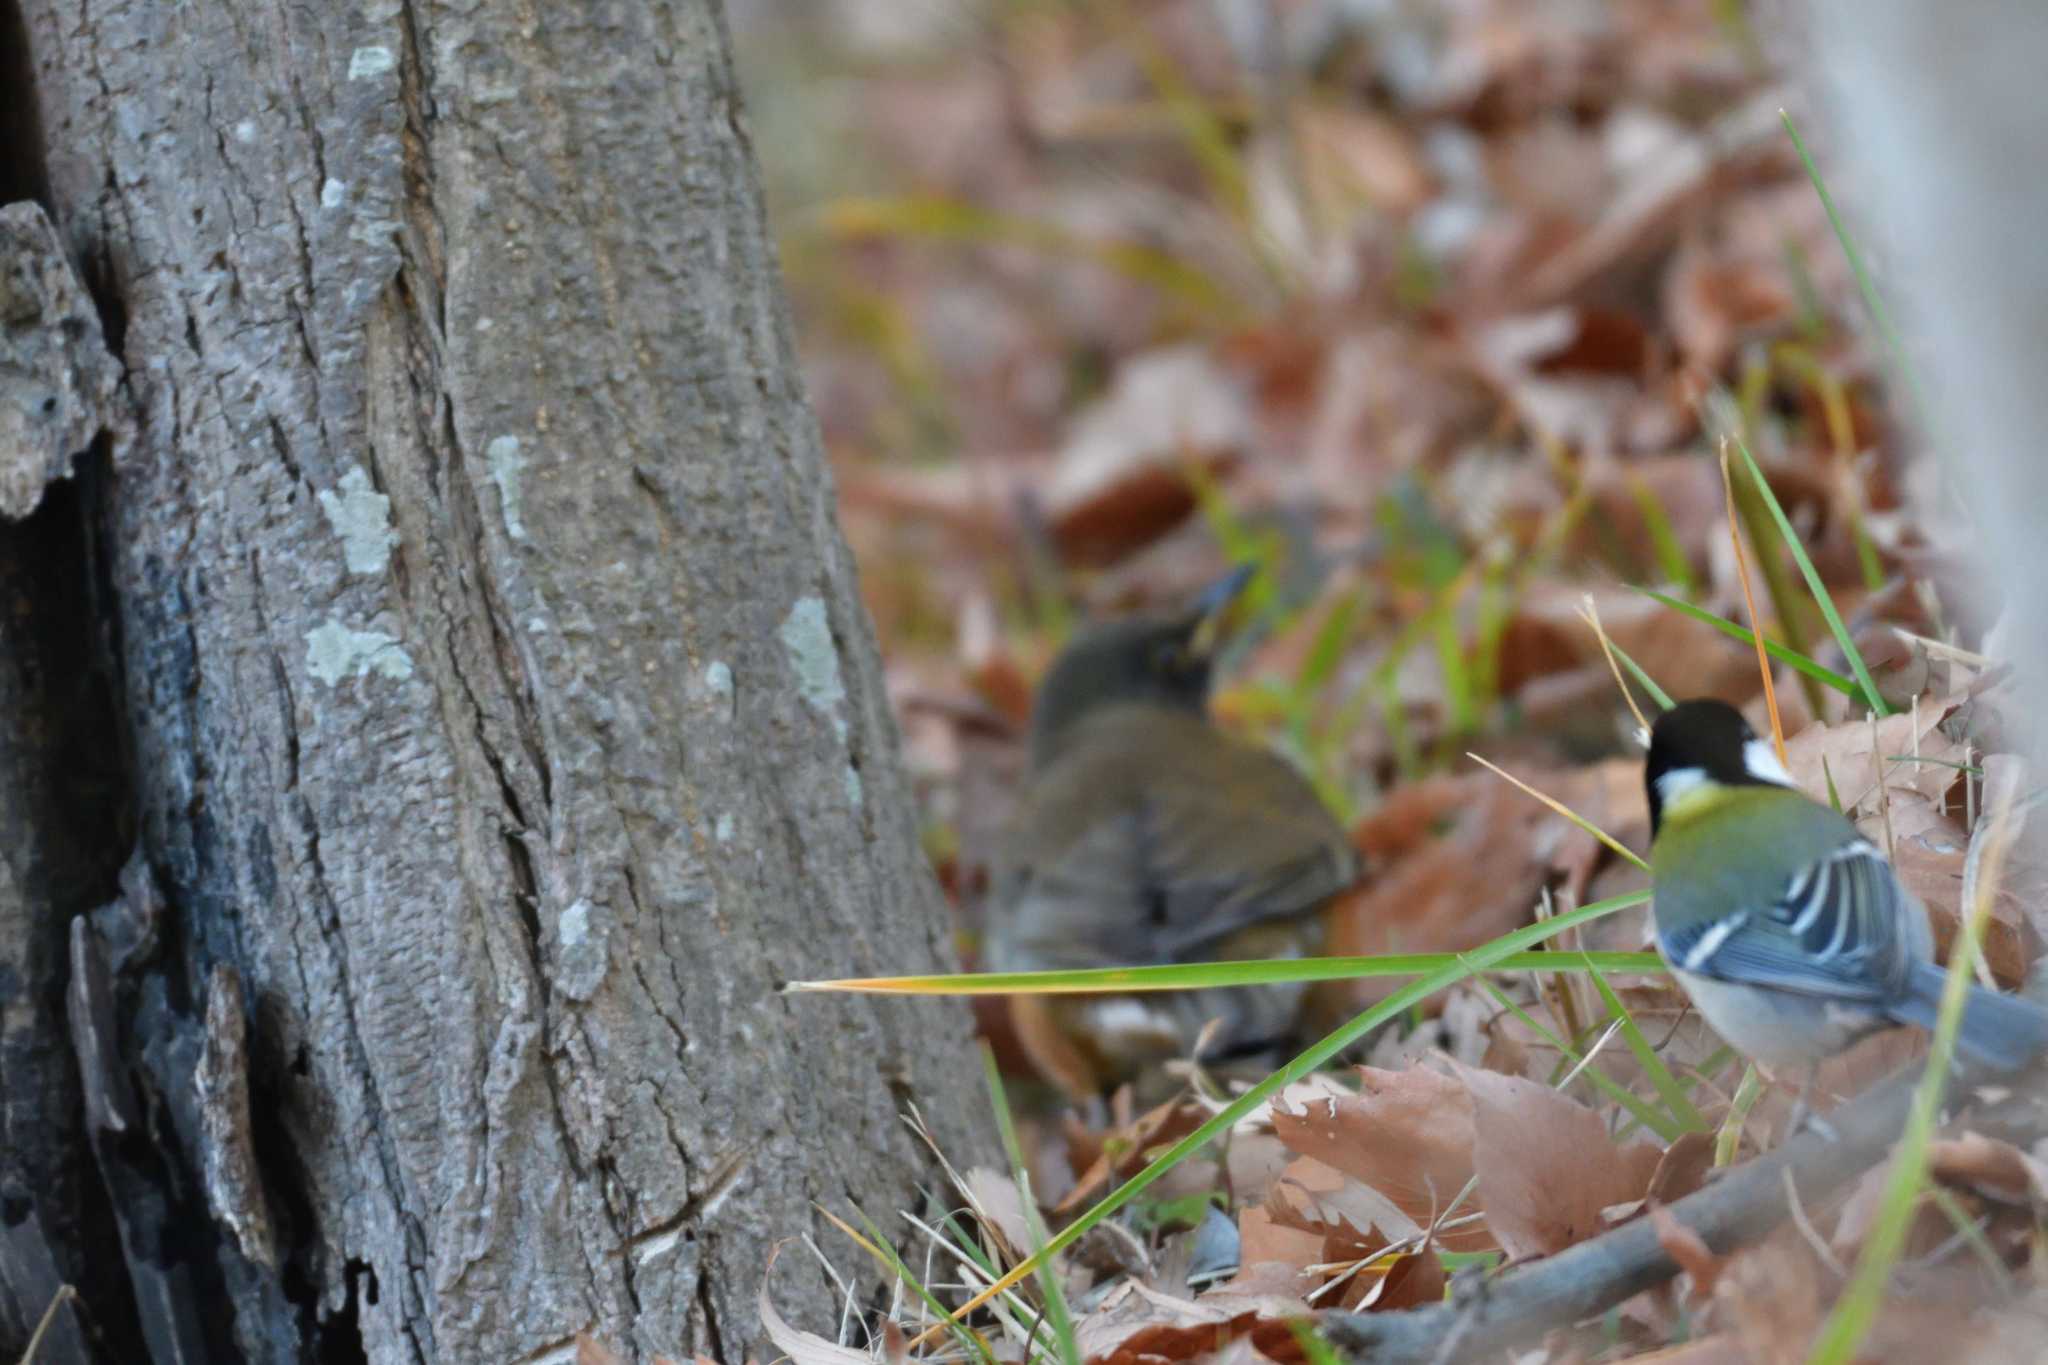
89 1003
57 380
234 1183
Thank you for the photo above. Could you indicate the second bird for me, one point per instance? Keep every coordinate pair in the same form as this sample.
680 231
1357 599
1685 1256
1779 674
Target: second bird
1146 835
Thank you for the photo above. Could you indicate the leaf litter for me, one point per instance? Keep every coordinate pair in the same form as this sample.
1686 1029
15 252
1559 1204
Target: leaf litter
1422 308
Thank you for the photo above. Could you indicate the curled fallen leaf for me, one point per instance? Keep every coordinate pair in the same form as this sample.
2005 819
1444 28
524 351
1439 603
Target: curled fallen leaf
1689 1249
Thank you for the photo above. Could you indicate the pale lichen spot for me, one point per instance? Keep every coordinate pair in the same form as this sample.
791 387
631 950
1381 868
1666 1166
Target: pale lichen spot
506 462
245 131
724 827
365 62
807 636
583 954
332 193
361 516
853 788
718 682
573 925
334 652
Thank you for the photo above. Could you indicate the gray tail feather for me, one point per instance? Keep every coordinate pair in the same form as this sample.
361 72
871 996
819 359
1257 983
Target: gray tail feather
2000 1031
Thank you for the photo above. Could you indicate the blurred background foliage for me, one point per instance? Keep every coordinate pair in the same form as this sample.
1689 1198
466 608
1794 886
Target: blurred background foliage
1438 312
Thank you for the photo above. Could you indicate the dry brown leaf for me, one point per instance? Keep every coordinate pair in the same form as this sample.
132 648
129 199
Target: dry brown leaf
1123 1151
1860 1209
1350 153
1720 1349
1414 1279
1406 1135
1264 1240
1120 481
1682 1168
1456 861
996 1198
1140 1326
1315 1198
1034 1024
1929 853
1546 1164
1847 750
1125 515
1990 1166
590 1351
1689 1249
1771 1293
1714 301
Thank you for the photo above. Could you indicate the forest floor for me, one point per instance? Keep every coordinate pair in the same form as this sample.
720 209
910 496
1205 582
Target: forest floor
1444 316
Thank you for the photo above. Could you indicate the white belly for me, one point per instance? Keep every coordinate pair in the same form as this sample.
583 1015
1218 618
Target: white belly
1777 1028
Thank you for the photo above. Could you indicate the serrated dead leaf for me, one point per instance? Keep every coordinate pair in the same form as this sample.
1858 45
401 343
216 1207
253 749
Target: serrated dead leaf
1406 1135
1546 1164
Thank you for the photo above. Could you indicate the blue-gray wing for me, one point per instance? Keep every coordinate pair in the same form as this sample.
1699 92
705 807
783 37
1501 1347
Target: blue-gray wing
1842 927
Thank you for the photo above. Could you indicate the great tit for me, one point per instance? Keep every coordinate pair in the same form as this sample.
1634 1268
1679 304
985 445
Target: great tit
1788 929
1146 835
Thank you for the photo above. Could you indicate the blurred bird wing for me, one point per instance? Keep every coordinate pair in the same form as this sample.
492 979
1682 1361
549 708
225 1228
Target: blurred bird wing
1137 850
1842 926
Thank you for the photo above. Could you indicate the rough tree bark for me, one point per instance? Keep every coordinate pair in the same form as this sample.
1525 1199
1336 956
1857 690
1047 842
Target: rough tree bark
486 705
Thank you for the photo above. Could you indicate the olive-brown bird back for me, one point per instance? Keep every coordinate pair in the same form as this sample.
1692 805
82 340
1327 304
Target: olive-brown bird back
1154 837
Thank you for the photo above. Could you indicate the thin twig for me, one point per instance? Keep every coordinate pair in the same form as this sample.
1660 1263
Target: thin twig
65 1294
1945 649
1809 1231
1566 811
1589 612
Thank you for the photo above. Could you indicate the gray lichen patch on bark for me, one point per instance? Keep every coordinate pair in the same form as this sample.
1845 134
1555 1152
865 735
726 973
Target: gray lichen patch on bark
807 635
334 652
361 517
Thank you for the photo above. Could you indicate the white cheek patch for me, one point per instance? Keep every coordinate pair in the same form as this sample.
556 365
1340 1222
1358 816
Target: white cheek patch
1760 757
1674 786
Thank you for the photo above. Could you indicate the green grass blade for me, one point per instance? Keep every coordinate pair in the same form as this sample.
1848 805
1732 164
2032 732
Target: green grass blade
878 1246
1663 540
1639 1108
1729 1138
1676 1101
942 218
1314 1349
1872 300
1486 958
1813 583
1790 657
1186 976
1327 650
1056 1315
1648 683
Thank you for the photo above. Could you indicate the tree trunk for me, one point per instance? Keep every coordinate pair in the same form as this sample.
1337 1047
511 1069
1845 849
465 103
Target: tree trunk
487 702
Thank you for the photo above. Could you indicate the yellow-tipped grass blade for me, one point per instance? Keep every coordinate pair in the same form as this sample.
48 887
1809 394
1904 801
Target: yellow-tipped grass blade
1206 975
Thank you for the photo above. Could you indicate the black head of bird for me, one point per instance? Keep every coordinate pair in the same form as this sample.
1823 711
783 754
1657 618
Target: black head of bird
1705 741
1147 835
